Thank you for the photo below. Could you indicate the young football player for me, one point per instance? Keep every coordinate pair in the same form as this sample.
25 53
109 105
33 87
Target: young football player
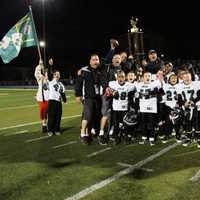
131 77
121 90
56 94
147 100
189 92
42 93
172 111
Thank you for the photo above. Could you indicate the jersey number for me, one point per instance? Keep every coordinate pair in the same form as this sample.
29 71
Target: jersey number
56 86
190 92
171 96
144 93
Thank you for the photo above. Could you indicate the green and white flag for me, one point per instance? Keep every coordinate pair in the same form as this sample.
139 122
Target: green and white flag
21 35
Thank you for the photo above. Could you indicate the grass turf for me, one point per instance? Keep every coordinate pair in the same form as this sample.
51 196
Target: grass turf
36 170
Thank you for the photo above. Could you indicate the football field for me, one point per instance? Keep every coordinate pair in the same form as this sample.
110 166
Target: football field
34 166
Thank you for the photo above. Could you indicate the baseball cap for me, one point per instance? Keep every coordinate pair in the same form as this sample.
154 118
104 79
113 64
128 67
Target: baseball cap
151 51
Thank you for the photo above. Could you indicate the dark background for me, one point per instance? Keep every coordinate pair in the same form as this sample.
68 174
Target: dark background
77 28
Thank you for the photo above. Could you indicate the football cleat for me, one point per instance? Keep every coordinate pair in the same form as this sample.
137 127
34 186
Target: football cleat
57 133
50 133
102 140
44 129
186 143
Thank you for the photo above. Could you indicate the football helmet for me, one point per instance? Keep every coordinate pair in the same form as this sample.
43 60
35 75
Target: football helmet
131 118
176 115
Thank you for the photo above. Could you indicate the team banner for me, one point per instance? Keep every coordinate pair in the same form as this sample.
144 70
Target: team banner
21 35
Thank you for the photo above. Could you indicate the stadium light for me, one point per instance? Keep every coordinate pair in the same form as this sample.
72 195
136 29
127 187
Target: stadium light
42 44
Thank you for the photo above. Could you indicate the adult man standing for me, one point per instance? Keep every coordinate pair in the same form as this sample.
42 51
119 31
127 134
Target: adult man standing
87 91
153 63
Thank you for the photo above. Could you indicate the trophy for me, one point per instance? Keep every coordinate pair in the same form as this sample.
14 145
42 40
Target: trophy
135 43
134 28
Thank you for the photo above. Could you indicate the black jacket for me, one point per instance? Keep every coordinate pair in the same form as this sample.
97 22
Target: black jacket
154 67
108 73
88 83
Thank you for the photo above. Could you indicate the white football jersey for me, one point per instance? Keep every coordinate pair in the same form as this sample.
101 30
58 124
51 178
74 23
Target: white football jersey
43 85
121 104
147 104
189 92
55 90
170 98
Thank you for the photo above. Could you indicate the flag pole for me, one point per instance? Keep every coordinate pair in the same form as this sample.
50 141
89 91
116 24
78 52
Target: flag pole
35 34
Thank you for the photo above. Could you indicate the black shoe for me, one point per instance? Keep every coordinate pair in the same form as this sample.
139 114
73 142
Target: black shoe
44 129
112 138
187 142
178 139
128 139
165 140
198 144
142 141
84 139
102 140
152 143
117 140
90 139
50 134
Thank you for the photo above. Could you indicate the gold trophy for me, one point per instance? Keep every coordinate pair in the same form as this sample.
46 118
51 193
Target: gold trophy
135 43
134 28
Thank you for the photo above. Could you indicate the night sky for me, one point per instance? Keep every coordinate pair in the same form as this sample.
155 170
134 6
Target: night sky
76 28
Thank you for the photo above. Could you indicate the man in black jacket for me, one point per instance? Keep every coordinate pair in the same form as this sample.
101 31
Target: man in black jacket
153 63
87 91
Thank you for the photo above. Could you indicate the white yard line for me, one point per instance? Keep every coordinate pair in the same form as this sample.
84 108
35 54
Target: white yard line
33 123
195 177
16 133
63 145
17 107
147 169
187 153
25 89
124 172
26 106
128 165
124 164
98 152
37 139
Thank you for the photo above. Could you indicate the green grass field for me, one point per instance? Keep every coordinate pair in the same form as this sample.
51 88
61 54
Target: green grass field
58 167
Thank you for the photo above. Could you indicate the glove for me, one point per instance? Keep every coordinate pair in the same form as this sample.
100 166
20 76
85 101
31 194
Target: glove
116 95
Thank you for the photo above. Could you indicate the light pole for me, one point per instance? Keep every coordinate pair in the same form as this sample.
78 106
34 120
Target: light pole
44 30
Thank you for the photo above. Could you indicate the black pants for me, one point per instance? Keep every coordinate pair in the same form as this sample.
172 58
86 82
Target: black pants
167 127
197 125
54 115
189 120
117 121
147 124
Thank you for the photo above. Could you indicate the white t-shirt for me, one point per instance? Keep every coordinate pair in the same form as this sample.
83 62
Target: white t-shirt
43 85
55 90
121 104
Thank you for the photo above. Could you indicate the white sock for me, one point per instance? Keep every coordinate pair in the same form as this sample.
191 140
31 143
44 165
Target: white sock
83 134
111 131
93 131
101 132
